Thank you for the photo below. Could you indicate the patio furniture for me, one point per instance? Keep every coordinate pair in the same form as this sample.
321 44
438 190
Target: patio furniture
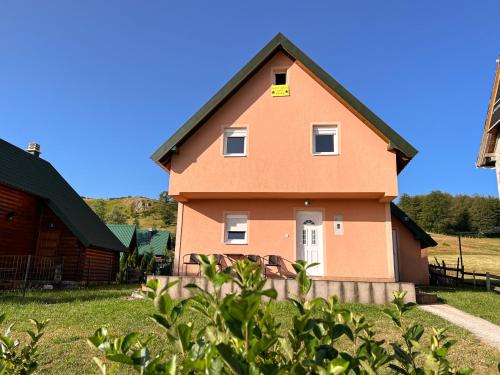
280 264
235 257
257 259
221 261
192 259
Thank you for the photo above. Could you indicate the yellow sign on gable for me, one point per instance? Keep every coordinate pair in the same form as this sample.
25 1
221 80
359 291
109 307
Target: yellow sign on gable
280 90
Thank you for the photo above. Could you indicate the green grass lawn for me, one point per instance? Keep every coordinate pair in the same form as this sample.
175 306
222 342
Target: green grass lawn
76 314
477 302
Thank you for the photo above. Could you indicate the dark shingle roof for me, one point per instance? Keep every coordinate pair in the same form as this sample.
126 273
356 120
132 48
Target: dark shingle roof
419 233
154 242
124 232
280 42
23 171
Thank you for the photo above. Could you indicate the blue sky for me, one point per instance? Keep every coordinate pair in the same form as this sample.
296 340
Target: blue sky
101 84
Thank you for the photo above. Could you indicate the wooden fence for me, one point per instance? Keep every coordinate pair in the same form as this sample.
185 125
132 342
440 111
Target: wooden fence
441 274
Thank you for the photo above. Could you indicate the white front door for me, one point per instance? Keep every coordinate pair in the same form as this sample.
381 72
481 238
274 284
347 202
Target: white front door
310 240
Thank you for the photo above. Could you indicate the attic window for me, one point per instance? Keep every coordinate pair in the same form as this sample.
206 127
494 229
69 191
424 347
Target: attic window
280 77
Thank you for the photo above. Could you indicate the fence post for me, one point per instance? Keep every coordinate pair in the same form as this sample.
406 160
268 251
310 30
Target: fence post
458 265
474 278
25 284
488 285
88 264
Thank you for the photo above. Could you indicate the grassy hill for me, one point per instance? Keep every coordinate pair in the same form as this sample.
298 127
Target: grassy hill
479 254
144 210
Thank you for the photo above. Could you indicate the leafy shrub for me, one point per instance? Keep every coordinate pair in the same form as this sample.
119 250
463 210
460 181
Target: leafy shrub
16 358
242 337
121 276
145 261
151 266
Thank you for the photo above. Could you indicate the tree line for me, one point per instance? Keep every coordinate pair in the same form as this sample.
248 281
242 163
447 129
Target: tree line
444 213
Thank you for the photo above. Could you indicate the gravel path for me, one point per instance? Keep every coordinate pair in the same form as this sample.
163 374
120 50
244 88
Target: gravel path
483 329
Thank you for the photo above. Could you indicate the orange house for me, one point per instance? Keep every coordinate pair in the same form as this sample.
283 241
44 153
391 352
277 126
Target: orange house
283 160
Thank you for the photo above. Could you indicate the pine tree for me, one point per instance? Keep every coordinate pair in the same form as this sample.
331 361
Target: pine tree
435 214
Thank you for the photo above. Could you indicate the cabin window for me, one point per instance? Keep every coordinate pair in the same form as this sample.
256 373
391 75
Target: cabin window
325 140
235 142
236 229
280 78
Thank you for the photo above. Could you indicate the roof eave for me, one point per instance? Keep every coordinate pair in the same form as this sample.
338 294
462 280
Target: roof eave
162 155
421 235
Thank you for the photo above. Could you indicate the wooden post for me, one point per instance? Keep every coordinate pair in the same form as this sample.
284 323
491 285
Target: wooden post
474 278
488 285
458 265
460 249
25 284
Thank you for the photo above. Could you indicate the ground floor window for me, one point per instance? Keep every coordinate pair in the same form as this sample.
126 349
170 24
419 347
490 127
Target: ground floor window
236 229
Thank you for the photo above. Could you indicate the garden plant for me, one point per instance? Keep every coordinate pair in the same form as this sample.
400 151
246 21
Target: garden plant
242 337
16 358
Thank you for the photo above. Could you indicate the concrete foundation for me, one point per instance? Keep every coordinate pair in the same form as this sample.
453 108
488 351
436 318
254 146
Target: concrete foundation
347 291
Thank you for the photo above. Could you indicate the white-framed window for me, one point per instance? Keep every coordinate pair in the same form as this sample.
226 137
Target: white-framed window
235 142
236 229
325 140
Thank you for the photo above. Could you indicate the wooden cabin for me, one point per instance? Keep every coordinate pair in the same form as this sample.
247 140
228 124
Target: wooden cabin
127 235
47 232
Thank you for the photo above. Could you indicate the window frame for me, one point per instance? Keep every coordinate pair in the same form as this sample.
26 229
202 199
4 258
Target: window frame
329 129
225 229
234 132
277 70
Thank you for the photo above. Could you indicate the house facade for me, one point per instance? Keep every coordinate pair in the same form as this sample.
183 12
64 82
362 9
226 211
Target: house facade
285 161
489 150
47 232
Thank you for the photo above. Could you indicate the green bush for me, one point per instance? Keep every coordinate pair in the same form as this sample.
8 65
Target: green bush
121 276
151 266
242 337
16 358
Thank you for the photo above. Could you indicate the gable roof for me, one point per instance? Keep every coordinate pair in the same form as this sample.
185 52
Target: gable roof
419 233
124 232
404 150
154 242
487 149
23 171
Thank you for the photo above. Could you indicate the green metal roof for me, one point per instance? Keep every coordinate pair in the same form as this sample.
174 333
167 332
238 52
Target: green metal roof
23 171
124 232
154 242
419 233
404 149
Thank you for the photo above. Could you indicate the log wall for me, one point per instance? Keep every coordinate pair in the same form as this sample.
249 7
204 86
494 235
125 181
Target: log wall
36 230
